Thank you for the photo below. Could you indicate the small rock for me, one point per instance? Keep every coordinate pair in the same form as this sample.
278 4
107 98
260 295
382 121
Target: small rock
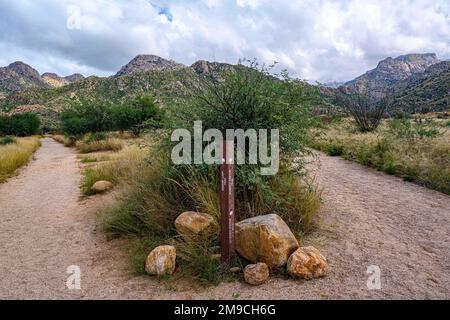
235 270
161 261
190 224
265 239
256 274
101 186
307 263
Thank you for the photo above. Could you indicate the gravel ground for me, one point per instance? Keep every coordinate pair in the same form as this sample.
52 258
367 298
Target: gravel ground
368 218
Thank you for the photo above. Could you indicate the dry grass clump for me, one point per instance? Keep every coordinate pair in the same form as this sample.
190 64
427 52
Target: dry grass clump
109 144
121 168
16 154
66 141
416 151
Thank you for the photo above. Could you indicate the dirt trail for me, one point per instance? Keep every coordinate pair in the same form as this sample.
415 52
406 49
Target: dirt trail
369 218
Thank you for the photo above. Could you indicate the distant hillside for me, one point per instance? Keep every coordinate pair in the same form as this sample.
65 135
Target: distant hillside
144 63
55 81
389 72
19 76
424 92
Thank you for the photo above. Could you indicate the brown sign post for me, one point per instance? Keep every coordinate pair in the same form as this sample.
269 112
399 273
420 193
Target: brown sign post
227 202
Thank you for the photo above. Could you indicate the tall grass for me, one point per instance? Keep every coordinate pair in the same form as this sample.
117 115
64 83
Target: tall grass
91 142
99 145
16 154
417 152
65 140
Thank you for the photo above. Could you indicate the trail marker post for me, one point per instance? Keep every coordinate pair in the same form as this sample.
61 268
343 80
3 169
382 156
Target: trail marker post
227 243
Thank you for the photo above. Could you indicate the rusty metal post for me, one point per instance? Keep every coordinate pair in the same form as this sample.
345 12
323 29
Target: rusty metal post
227 202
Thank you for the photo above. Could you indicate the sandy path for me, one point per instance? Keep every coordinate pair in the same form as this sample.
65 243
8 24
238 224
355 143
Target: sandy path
369 218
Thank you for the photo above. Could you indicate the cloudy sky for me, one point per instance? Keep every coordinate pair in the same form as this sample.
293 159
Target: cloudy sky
314 39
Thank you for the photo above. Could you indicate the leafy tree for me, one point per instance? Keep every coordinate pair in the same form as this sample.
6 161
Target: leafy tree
143 112
83 117
25 124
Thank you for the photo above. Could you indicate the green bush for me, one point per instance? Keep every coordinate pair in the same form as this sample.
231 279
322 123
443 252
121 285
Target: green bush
7 140
334 149
21 125
143 112
83 117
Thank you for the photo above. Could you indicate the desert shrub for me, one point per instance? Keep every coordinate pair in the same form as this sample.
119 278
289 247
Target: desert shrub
21 125
7 140
67 141
15 155
367 111
155 191
407 129
334 149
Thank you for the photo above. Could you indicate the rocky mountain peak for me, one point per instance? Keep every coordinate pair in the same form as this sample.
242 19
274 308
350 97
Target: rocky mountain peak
390 71
148 62
19 76
74 77
23 69
404 66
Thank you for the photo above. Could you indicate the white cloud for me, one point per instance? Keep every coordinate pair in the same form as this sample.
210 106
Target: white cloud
315 39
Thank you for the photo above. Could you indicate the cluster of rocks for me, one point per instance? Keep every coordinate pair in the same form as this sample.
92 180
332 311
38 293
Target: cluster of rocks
265 241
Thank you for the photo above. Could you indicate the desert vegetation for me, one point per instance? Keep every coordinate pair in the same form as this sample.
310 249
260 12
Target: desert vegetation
154 191
14 153
416 148
21 125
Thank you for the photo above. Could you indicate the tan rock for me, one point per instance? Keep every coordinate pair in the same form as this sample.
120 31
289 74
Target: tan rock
256 274
101 186
235 270
161 261
265 239
307 263
190 224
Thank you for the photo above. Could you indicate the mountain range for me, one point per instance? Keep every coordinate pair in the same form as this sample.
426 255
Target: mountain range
417 82
19 76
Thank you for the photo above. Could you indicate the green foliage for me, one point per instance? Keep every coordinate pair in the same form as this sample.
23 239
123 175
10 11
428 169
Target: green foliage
143 112
83 117
25 124
407 129
87 117
335 149
252 98
7 140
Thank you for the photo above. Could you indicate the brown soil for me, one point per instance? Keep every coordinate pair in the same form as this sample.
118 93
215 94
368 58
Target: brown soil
368 218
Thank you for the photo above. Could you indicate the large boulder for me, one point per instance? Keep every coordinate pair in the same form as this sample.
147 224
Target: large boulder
256 274
101 186
190 224
307 263
161 261
265 239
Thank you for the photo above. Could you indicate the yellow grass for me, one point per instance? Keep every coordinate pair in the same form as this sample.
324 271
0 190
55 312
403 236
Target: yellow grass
100 145
15 155
423 160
